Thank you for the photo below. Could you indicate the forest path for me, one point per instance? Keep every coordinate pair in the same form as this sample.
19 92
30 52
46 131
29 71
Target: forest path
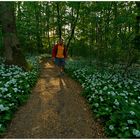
55 110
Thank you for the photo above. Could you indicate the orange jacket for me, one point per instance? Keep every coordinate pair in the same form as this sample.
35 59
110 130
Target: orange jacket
55 50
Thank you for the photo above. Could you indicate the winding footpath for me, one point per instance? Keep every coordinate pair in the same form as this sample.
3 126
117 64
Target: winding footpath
55 109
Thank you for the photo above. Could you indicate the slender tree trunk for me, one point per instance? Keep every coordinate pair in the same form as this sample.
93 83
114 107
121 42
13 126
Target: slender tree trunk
59 20
73 28
48 23
38 38
97 40
19 11
137 28
91 36
107 27
132 57
97 30
11 43
115 12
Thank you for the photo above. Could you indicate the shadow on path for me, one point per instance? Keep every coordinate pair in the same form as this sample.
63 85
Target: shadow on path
55 110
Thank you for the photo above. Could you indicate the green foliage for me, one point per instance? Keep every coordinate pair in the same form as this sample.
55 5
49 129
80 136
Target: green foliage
106 34
15 88
128 126
113 97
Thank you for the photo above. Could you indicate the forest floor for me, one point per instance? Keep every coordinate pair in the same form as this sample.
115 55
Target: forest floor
55 109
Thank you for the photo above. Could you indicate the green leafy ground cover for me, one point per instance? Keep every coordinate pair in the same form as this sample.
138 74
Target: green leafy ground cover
113 97
15 88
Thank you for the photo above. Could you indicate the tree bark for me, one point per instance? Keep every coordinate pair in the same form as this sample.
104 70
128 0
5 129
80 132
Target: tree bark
38 34
73 28
59 20
48 23
19 11
137 28
11 43
115 12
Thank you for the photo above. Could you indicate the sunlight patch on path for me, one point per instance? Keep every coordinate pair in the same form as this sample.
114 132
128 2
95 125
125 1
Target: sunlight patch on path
55 110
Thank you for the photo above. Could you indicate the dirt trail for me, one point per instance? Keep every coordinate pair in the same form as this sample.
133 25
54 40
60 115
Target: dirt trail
55 110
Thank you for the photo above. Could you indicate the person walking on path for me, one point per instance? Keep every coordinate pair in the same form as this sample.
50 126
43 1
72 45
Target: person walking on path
59 55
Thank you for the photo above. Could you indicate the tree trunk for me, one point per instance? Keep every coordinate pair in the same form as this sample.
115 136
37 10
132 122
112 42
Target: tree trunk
59 20
115 12
48 23
73 28
137 28
107 27
38 34
11 43
132 56
19 11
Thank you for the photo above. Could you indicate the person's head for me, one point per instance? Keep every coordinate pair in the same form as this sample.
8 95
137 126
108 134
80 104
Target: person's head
60 41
